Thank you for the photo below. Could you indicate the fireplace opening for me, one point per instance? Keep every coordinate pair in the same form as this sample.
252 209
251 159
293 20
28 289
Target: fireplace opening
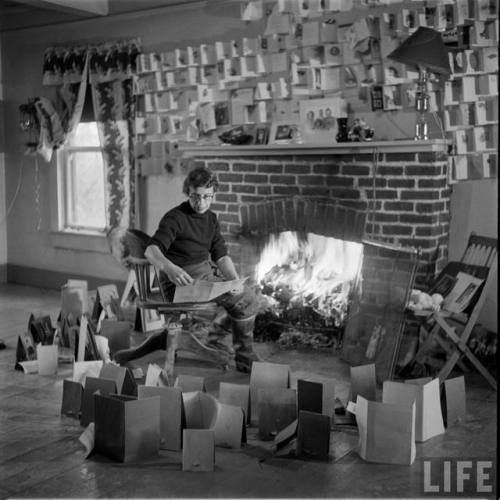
306 281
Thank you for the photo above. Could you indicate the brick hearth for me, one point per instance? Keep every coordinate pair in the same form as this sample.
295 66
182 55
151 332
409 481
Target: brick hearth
405 195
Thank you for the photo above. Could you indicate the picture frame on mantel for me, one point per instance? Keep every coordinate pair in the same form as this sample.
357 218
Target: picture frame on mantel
261 136
318 118
284 132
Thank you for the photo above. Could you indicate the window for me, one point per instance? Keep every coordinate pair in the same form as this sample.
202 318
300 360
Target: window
82 182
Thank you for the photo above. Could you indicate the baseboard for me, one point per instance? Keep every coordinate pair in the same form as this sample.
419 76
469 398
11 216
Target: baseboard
44 278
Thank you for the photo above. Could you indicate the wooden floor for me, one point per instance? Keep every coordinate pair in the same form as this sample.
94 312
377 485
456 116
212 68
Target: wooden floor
40 455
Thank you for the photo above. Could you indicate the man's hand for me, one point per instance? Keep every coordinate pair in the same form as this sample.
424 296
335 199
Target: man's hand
177 275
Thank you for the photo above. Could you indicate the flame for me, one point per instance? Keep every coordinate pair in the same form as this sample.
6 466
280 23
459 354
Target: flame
316 268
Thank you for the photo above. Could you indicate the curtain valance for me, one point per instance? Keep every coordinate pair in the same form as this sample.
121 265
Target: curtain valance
109 61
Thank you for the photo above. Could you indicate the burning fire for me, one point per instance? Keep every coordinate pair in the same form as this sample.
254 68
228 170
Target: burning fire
316 272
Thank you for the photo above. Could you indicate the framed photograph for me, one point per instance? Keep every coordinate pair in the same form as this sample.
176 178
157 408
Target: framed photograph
284 132
318 118
148 320
261 134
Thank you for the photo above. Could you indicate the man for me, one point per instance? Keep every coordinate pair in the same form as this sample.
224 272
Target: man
187 236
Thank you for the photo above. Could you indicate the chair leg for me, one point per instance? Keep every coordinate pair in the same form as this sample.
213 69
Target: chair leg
461 349
453 359
449 351
172 341
426 343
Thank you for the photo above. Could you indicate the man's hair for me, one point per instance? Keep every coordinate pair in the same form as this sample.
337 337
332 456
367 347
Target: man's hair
200 177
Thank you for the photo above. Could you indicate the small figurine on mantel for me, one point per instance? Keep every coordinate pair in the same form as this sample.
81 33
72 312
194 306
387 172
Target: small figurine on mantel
360 131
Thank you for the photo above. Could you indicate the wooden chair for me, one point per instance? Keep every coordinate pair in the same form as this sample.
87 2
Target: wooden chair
452 331
152 297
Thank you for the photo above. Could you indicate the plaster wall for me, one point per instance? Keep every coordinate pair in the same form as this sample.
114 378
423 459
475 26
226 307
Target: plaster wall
474 207
26 234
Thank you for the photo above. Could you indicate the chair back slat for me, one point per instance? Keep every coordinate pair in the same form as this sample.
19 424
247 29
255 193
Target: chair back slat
480 251
142 274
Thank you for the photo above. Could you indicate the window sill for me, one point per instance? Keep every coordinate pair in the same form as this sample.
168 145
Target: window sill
83 241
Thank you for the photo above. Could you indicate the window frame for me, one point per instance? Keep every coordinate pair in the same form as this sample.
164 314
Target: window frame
62 234
66 177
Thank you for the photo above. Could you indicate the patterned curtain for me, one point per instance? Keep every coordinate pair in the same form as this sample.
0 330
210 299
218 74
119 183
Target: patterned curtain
66 69
109 68
114 109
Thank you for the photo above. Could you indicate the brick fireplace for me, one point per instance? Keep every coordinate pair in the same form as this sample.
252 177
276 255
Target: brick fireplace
400 187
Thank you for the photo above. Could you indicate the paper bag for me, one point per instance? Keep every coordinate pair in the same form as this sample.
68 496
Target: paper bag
386 431
277 409
172 418
313 435
454 389
428 416
81 287
84 369
266 376
200 409
41 329
87 438
25 350
363 382
126 429
317 397
73 300
156 377
236 395
229 427
123 378
72 398
47 359
92 385
107 300
189 383
198 450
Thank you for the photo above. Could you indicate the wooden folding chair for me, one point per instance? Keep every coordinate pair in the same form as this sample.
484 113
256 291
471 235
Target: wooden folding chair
151 297
452 331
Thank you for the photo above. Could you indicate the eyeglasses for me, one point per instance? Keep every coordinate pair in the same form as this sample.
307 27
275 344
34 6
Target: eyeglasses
200 197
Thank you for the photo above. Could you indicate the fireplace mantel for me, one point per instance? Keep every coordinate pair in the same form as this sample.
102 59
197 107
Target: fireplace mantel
398 146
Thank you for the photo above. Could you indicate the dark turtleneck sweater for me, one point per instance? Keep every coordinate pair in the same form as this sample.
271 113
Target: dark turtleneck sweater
186 237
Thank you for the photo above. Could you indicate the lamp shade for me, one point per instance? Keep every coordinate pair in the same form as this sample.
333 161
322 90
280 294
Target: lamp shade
425 49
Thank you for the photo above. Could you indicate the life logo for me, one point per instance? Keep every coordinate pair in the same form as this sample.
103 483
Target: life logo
474 477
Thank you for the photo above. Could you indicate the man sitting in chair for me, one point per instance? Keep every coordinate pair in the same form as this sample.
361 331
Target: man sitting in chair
186 237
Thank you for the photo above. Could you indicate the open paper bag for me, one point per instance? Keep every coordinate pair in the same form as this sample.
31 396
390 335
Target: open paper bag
266 376
425 394
126 428
277 409
386 431
172 417
198 451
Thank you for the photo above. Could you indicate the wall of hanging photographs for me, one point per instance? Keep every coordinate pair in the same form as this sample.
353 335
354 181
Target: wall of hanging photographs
316 61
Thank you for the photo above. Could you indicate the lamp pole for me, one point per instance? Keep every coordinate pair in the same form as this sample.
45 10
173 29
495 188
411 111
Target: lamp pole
422 106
